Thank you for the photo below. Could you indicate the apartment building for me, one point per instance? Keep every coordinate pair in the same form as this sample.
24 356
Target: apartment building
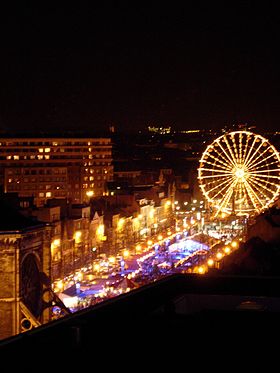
44 168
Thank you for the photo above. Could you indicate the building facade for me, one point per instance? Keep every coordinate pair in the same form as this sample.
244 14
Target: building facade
24 264
45 168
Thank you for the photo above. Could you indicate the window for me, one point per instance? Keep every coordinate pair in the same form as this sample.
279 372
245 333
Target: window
48 194
24 204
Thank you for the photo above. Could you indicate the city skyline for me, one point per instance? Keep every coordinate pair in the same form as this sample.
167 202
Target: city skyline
196 66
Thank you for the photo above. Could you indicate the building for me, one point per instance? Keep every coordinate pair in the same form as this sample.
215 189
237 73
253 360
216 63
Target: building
45 168
74 236
25 265
266 226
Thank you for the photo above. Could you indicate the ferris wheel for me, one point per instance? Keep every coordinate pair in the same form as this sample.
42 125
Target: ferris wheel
240 173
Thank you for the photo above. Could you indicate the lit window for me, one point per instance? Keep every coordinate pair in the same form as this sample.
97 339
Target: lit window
41 150
41 195
48 194
10 180
16 157
9 157
47 150
40 156
77 236
47 157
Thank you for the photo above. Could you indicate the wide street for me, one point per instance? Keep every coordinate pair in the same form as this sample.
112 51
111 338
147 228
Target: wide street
175 251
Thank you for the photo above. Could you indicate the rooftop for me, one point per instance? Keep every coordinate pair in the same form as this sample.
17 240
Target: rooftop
14 221
175 310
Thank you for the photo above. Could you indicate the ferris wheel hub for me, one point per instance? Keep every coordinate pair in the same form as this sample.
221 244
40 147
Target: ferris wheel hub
240 173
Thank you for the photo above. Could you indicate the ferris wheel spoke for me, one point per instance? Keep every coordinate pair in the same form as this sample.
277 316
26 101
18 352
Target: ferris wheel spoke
244 193
264 166
252 194
262 154
234 142
261 188
226 154
225 200
250 151
218 186
255 163
248 163
217 165
217 159
231 152
228 186
263 183
274 169
240 148
223 172
241 197
245 150
255 174
263 191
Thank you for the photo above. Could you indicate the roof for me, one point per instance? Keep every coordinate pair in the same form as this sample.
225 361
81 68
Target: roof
71 291
274 220
13 220
160 314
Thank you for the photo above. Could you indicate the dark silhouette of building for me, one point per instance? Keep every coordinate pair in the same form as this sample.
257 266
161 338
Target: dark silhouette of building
181 311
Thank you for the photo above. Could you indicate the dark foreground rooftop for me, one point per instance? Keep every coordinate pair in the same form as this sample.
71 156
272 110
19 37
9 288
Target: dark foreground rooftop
181 310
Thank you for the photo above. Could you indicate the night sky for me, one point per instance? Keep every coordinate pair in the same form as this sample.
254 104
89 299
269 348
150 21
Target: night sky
188 66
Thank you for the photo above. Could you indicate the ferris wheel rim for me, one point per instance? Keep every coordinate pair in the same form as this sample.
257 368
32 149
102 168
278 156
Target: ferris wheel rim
232 163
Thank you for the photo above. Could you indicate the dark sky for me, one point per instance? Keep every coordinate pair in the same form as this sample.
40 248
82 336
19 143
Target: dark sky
188 66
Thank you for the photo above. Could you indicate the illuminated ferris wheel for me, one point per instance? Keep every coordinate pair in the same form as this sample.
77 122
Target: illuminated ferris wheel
240 173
